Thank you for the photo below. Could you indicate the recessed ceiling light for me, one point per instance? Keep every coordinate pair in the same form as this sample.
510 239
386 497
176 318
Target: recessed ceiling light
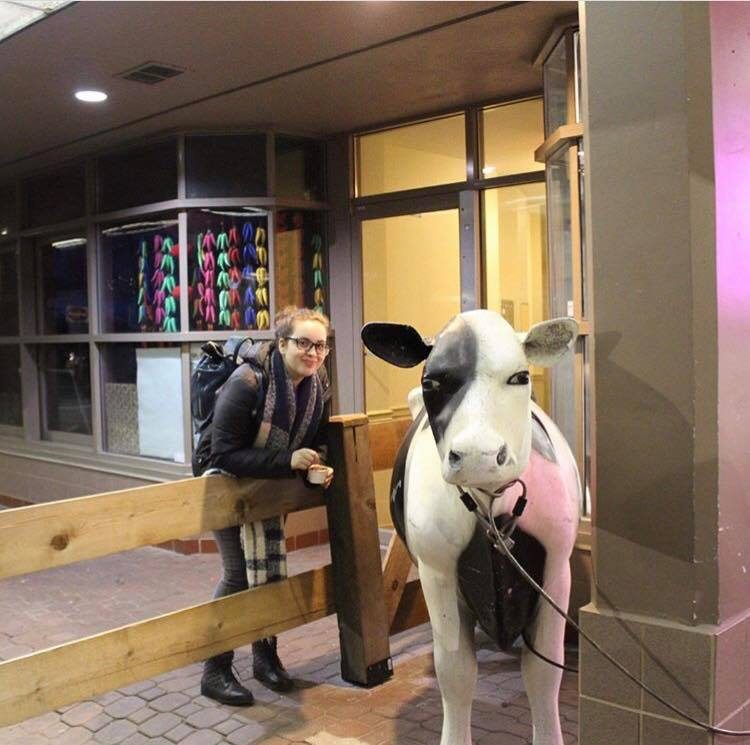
91 96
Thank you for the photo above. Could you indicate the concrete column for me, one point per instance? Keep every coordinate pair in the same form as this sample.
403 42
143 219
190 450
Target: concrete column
671 538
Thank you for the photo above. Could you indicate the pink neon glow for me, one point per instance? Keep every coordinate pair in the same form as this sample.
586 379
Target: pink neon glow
730 58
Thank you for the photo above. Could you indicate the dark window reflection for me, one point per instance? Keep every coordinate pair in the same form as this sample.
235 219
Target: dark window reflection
67 388
226 165
299 168
10 386
8 291
61 273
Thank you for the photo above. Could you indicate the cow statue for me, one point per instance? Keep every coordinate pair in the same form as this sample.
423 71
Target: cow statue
476 431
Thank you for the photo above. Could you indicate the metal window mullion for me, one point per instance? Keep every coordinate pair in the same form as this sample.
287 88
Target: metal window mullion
271 244
93 278
187 425
181 168
570 73
472 121
270 164
183 271
575 231
97 400
358 357
469 250
94 294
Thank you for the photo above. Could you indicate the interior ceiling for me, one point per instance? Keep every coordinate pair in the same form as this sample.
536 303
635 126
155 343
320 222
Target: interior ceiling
316 68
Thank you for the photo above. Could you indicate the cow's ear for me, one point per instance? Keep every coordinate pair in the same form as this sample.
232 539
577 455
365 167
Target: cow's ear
547 342
395 343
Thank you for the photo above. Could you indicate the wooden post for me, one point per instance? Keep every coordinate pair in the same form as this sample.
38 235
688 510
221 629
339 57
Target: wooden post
355 555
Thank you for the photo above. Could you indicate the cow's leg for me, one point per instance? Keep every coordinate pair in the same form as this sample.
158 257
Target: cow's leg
455 657
547 633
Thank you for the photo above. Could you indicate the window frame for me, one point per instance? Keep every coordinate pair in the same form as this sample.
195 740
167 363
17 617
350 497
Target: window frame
33 439
569 137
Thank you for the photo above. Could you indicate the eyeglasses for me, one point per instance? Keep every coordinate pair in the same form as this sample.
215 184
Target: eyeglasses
305 345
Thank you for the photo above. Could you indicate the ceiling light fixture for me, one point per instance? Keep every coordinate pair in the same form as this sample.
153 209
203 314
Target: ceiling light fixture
91 96
489 170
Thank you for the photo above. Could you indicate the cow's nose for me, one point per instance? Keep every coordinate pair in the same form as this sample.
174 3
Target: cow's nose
502 455
454 459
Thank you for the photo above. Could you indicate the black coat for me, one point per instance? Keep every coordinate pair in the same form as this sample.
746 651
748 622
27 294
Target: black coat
228 441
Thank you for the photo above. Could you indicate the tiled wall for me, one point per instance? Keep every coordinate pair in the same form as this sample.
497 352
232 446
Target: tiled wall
702 670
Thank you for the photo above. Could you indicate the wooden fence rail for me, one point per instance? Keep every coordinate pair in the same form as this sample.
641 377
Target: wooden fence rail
50 535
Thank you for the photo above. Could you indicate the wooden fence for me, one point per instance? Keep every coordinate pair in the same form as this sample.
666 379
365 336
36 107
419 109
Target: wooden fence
370 603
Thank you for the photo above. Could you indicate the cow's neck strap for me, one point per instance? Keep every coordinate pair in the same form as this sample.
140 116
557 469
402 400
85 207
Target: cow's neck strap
504 531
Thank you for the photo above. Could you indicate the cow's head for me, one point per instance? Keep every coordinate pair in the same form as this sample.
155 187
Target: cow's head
476 388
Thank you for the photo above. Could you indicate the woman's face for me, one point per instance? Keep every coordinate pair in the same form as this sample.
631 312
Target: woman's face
301 364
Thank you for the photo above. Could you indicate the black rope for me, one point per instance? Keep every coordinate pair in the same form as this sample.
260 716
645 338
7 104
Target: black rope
503 544
535 651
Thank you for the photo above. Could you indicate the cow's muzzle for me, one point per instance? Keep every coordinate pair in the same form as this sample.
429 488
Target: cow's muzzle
479 467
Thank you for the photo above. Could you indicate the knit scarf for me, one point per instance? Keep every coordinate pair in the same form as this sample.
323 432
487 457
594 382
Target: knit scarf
290 421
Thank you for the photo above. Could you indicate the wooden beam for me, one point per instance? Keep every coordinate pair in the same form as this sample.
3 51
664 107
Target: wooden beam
85 668
59 533
385 439
396 567
412 611
355 556
562 136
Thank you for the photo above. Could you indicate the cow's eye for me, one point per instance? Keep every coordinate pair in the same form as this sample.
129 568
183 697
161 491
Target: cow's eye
430 384
441 381
520 378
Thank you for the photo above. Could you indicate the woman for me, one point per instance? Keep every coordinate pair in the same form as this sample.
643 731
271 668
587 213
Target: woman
268 423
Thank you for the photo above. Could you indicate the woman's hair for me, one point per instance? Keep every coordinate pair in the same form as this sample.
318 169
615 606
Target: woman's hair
286 318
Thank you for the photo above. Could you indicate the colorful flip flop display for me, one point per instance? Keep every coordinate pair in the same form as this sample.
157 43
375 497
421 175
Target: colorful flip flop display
143 300
230 282
262 313
318 267
157 294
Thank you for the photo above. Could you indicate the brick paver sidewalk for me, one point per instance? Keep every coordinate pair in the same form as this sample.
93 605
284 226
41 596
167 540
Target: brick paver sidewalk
55 606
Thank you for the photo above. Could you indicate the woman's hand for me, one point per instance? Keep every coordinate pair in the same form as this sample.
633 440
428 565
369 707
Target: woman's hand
303 458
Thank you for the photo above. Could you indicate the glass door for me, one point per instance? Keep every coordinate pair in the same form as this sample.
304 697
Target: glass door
411 273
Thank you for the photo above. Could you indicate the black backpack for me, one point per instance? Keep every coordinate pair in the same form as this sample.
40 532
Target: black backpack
213 369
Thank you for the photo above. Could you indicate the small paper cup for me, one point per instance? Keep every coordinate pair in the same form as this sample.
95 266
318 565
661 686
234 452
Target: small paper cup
318 474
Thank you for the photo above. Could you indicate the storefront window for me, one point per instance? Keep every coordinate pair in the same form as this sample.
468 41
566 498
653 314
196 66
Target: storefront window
556 88
396 287
301 268
140 277
66 388
299 168
411 157
8 209
142 396
8 290
54 197
515 262
510 134
139 176
229 268
10 386
63 288
225 165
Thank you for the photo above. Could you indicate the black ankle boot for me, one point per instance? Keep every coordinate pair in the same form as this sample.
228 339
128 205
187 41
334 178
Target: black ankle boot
267 667
218 683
